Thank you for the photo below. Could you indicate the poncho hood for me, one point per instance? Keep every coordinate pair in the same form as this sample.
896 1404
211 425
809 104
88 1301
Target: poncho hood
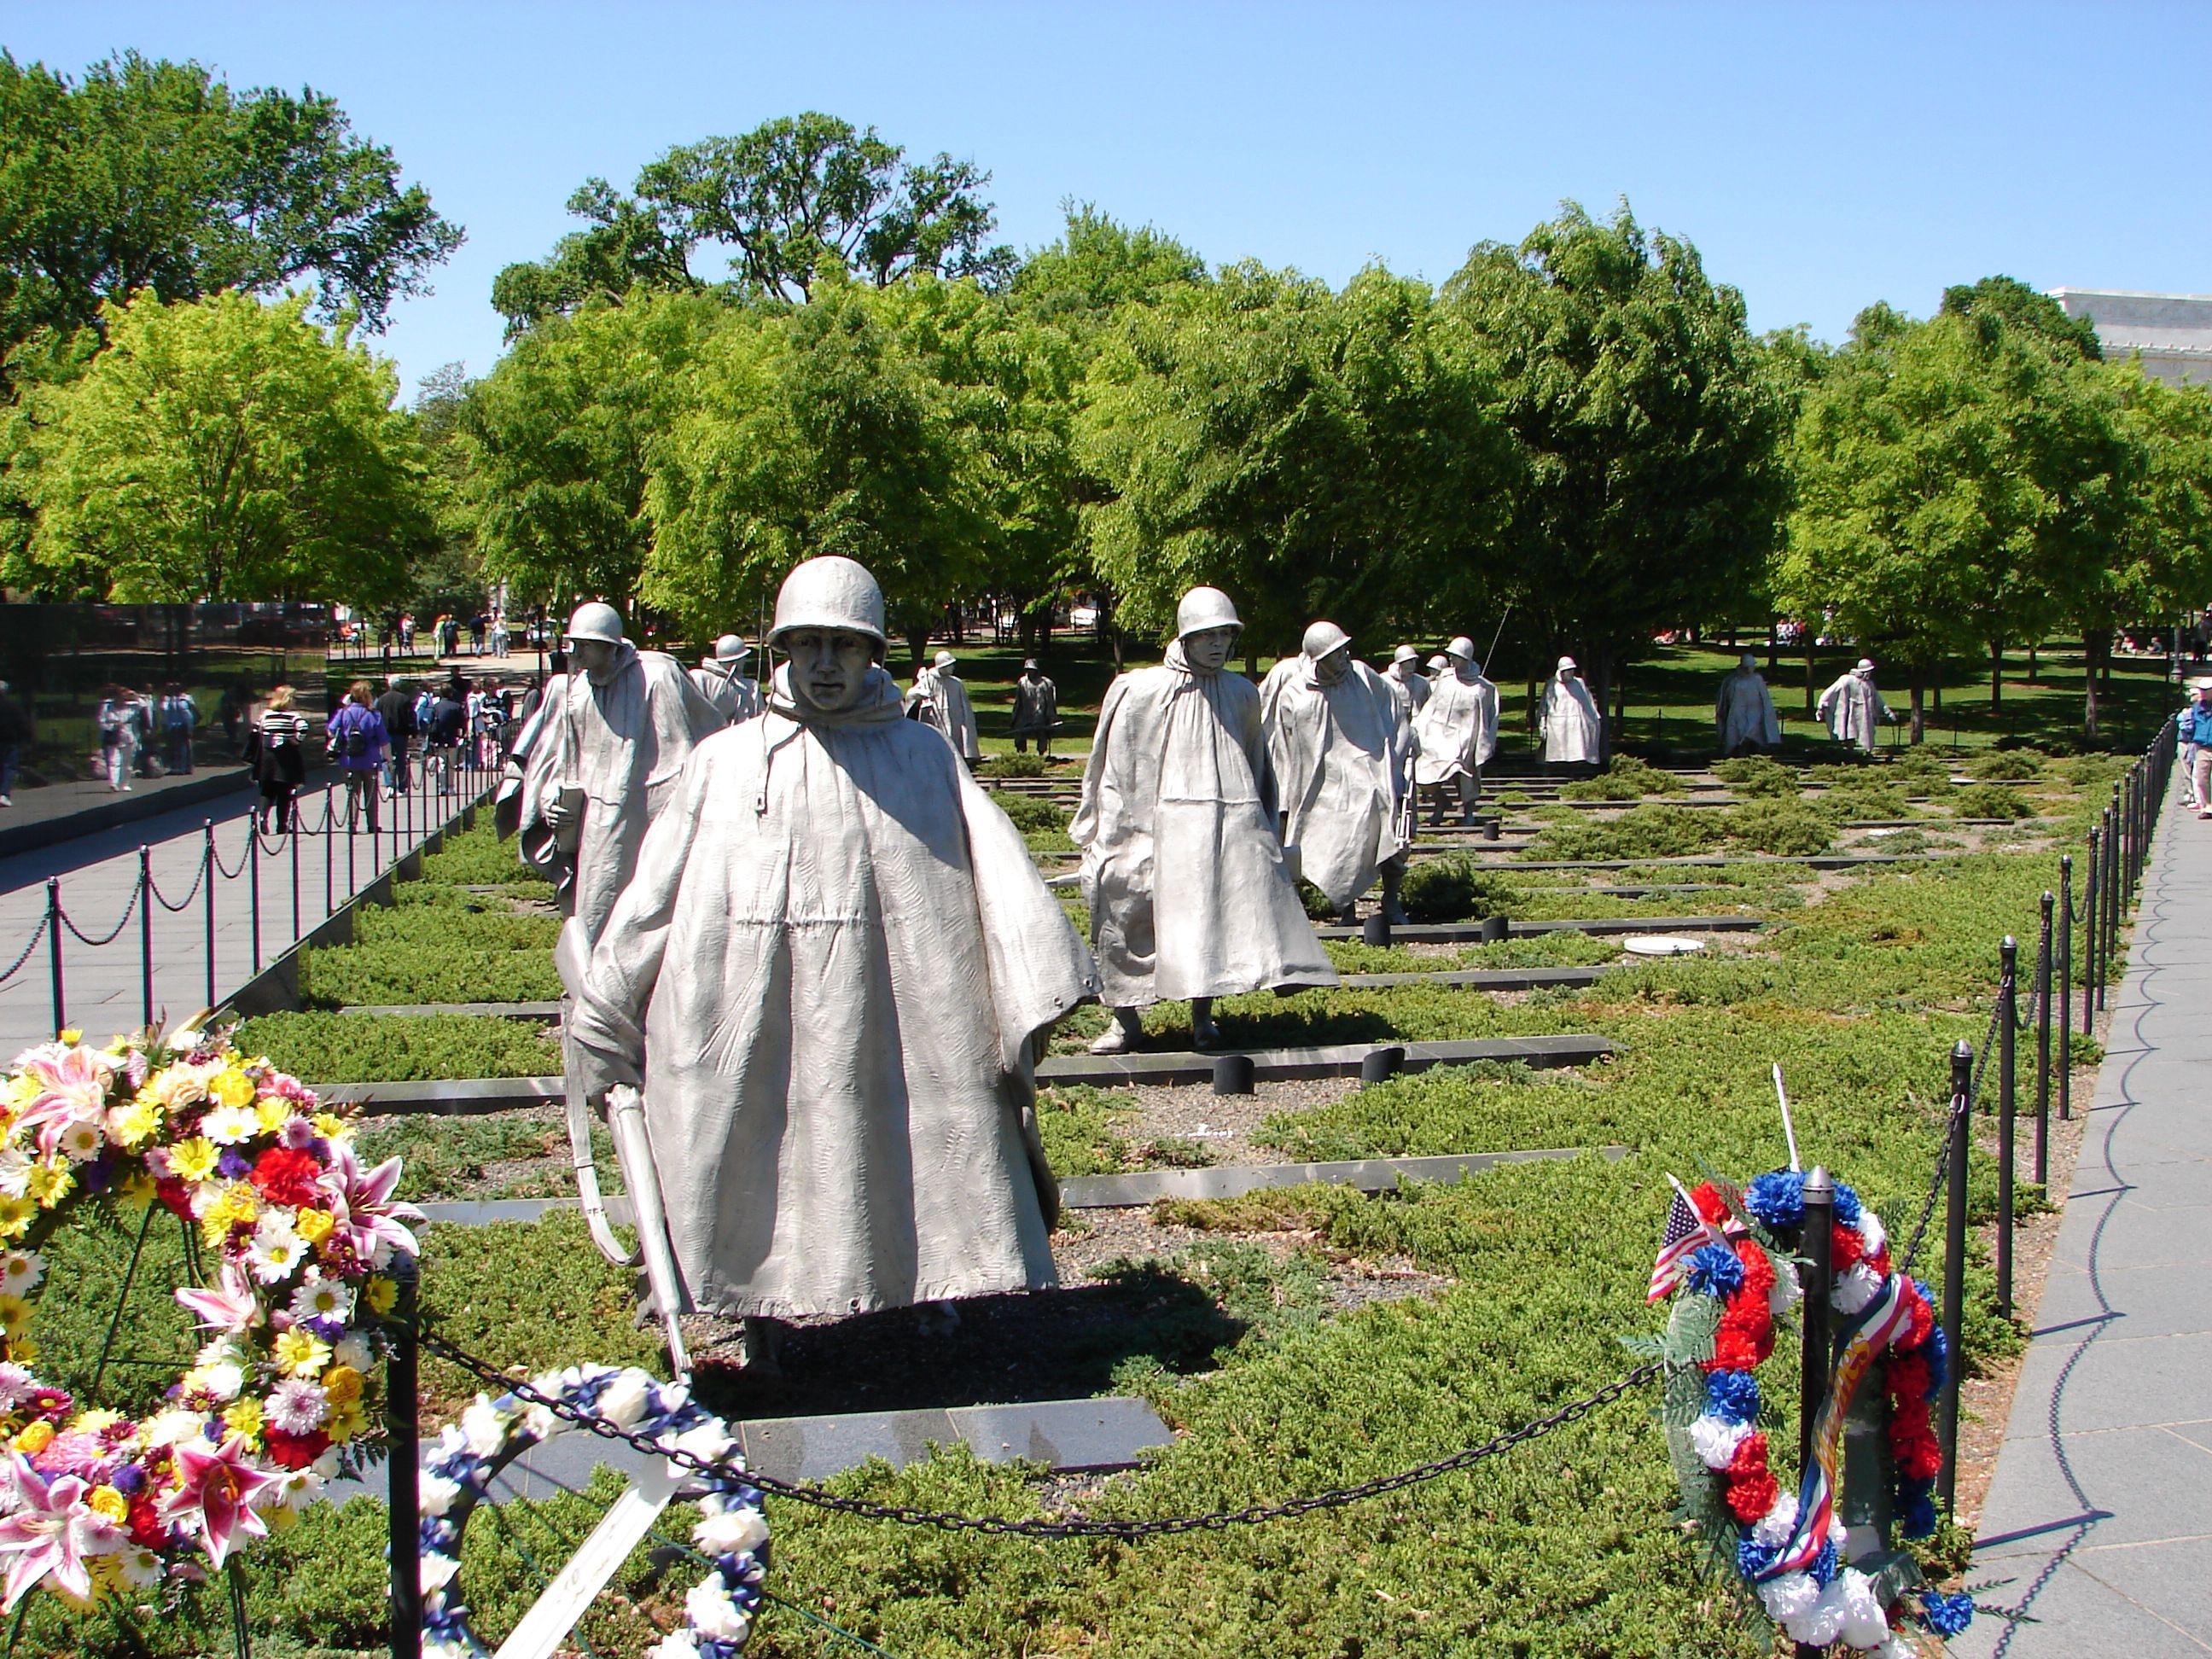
879 700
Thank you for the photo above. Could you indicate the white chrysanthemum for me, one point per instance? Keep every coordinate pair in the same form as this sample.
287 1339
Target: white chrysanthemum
434 1494
230 1126
80 1141
1865 1625
484 1427
1787 1597
433 1650
277 1251
296 1406
539 1423
670 1397
1822 1622
140 1568
708 1442
676 1645
733 1532
21 1272
220 1383
1838 1533
1775 1527
292 1489
437 1570
216 1352
1897 1647
624 1402
1714 1439
1786 1294
352 1350
1854 1290
1872 1232
175 1428
15 1165
323 1298
713 1614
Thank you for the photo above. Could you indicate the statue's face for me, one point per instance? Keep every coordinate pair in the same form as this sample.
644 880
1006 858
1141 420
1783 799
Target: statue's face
595 657
1208 649
828 665
1335 665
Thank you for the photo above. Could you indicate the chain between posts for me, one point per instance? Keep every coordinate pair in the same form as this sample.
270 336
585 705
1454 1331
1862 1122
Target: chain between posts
1077 1526
114 934
24 955
199 876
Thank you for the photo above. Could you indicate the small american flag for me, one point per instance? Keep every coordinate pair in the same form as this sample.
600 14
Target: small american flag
1685 1232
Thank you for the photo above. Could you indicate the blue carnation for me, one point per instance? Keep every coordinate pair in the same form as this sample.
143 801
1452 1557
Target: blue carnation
1753 1557
1947 1615
1939 1361
1847 1204
1777 1198
1824 1565
1916 1508
1733 1396
1715 1271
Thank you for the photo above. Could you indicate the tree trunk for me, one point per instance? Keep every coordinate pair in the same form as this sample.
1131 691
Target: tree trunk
2096 650
1811 693
1919 704
1773 650
1996 676
918 642
2031 648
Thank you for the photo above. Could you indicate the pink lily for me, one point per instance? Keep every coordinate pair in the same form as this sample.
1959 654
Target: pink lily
361 1206
75 1086
49 1529
232 1307
216 1496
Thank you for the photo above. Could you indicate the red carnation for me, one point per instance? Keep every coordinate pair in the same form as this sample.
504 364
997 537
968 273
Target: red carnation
171 1191
1750 1498
1846 1249
1758 1271
1908 1378
147 1530
1750 1457
1880 1261
1710 1203
295 1451
286 1175
1733 1351
1914 1446
1922 1317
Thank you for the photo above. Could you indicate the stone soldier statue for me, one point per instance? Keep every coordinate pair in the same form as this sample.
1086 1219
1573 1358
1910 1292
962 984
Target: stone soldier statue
1456 731
603 757
1190 895
1743 713
721 680
938 699
1853 709
830 972
1407 679
1036 709
1570 719
1339 755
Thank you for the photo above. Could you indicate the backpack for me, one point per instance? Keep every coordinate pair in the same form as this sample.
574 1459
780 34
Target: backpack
352 742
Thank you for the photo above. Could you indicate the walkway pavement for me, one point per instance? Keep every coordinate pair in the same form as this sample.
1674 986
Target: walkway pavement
2099 1523
103 985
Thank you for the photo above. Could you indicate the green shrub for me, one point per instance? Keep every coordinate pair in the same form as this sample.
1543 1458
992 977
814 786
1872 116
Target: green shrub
1076 1123
1624 778
328 1048
1455 887
478 856
1869 799
1757 774
1783 828
1029 812
1648 831
1012 766
1990 801
2007 764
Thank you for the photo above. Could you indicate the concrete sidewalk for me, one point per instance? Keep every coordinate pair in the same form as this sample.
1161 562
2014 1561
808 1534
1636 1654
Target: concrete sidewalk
2099 1523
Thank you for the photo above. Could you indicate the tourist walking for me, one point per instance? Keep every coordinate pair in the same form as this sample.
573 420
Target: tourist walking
180 720
280 759
358 741
15 738
2196 729
396 708
120 720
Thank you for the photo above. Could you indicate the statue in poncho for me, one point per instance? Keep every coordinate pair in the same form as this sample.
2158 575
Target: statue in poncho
722 680
1455 732
1852 708
829 975
1570 722
603 755
1036 709
1189 893
940 701
1744 713
1339 755
1406 680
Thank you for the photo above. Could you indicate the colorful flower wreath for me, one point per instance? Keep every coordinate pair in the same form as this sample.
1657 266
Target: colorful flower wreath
1784 1544
732 1533
293 1233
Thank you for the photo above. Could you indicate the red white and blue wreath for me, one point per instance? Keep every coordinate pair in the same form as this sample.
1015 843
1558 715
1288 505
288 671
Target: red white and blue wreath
1730 1253
731 1532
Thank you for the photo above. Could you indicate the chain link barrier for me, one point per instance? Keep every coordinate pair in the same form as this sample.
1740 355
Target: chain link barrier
244 853
121 921
198 876
1075 1527
24 955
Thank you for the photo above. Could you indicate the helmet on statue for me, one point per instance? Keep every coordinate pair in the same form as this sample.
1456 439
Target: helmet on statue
830 592
1404 653
731 648
1203 608
1462 648
1324 637
595 621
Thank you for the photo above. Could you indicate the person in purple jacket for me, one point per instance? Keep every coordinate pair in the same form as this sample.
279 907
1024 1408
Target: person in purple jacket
358 740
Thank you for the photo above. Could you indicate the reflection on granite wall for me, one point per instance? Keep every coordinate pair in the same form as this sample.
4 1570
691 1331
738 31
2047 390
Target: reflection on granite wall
58 660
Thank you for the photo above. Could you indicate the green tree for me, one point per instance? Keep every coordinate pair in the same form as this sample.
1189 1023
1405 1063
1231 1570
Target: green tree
1312 453
220 449
794 195
558 439
1650 425
818 430
152 175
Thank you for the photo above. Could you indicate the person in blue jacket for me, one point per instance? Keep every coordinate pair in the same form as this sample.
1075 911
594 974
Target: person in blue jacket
2197 730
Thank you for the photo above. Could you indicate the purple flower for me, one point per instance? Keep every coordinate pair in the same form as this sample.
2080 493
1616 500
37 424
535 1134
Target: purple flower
233 1164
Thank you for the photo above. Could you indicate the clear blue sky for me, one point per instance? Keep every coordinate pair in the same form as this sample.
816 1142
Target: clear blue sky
1821 157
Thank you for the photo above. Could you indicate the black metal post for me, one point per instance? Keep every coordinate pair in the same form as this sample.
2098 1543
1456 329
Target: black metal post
351 881
2111 944
2042 1042
1816 1273
2008 1114
2065 988
253 882
294 839
403 1443
1954 1263
145 934
2090 931
207 829
330 872
54 950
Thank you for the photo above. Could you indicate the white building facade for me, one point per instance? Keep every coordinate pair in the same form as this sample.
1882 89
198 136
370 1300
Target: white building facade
2170 332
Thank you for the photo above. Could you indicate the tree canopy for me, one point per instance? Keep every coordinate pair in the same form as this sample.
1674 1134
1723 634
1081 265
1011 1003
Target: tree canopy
154 176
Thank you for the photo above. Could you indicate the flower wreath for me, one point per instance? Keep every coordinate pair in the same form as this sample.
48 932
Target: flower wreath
295 1234
1784 1545
732 1531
